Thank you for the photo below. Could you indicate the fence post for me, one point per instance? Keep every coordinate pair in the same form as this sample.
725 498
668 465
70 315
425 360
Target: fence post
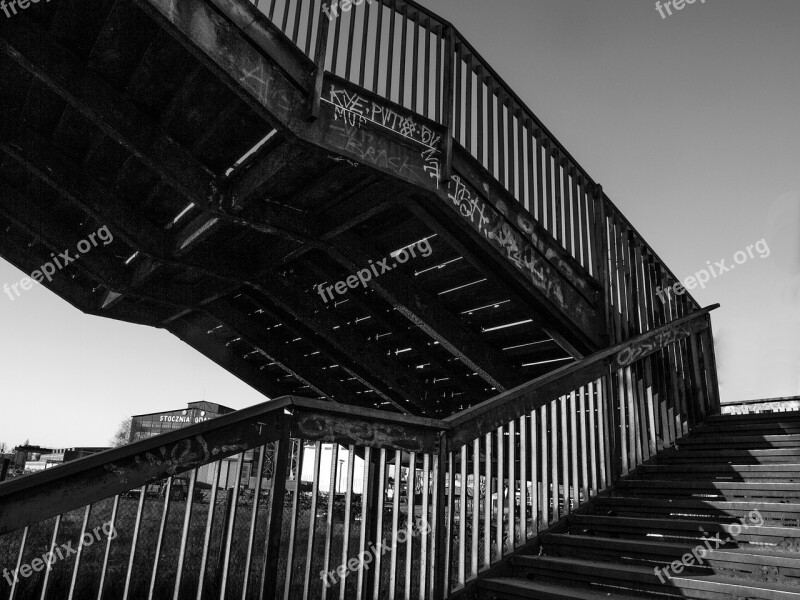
320 55
274 525
449 92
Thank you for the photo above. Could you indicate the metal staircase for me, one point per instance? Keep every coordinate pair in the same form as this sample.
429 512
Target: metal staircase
717 517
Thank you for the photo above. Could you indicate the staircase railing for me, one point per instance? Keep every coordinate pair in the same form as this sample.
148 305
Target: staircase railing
412 57
299 498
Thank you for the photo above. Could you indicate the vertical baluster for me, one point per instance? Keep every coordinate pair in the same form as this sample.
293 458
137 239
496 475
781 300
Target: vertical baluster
546 459
398 465
468 107
439 82
480 118
212 503
534 476
134 540
584 458
104 569
512 490
361 587
411 488
500 537
476 505
313 14
423 550
541 213
501 137
326 554
522 187
487 503
351 42
403 52
231 524
460 112
390 57
554 446
348 507
75 567
549 201
312 525
510 109
462 520
160 540
593 439
297 15
274 525
22 544
602 436
426 70
415 68
365 46
448 546
337 30
565 454
251 536
48 566
187 517
523 480
379 527
490 128
378 44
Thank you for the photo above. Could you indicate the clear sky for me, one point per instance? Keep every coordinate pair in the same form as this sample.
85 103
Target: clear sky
690 123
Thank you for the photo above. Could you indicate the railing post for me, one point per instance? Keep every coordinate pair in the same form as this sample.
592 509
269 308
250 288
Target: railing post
320 55
440 584
601 249
449 92
710 363
269 579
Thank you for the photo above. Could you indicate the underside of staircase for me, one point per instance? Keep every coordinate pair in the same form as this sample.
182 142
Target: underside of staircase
734 474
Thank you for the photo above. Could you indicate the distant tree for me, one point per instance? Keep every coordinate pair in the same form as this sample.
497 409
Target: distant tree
123 435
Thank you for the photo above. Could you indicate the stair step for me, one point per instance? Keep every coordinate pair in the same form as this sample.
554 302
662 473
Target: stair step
720 441
720 490
778 514
717 472
632 579
755 417
735 562
512 588
686 529
776 428
708 456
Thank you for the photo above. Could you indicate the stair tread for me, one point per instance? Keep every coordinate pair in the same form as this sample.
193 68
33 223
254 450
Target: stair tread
511 584
745 555
682 524
645 574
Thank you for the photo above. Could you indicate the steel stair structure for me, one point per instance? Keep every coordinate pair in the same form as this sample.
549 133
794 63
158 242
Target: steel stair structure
266 173
731 489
